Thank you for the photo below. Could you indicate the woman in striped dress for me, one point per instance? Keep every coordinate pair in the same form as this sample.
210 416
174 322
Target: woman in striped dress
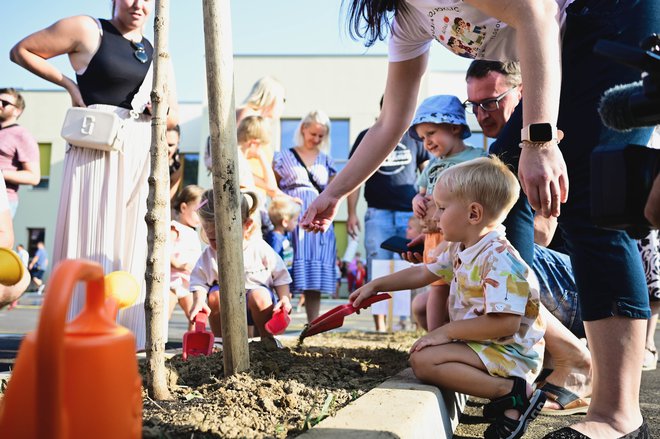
303 172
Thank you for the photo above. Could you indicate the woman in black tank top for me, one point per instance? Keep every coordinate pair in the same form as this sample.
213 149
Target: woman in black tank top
103 198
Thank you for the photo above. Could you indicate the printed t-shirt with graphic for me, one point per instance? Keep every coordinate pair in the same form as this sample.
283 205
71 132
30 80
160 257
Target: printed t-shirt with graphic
458 26
263 267
392 186
490 277
430 174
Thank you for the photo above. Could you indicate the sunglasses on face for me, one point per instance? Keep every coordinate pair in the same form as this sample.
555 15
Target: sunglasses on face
6 103
488 105
140 54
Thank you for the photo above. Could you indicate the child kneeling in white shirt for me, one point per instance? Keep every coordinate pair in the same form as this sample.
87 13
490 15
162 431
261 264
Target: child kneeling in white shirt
266 276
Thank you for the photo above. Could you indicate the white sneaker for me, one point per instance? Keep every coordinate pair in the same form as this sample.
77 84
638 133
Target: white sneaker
41 288
650 359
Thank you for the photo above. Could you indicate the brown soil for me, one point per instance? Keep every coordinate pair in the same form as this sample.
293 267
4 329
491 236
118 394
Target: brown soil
282 394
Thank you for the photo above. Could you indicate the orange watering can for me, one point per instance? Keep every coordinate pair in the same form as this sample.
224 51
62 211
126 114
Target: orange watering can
76 380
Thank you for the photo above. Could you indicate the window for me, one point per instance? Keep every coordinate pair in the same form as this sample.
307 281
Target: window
44 162
34 236
190 162
340 144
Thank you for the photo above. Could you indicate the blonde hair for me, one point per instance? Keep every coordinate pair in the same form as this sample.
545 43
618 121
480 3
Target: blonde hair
282 208
264 93
485 180
249 205
314 116
188 194
253 128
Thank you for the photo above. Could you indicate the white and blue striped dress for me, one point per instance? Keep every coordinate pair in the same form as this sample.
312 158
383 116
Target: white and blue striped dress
314 253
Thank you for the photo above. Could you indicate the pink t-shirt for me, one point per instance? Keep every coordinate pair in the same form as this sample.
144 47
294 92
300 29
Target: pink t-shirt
17 146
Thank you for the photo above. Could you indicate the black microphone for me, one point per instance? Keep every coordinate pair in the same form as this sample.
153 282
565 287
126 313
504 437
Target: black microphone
624 107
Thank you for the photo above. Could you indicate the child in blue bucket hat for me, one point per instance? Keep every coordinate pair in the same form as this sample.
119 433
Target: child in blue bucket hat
440 124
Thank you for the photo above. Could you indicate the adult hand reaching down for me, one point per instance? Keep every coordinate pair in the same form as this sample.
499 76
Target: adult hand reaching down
320 213
543 177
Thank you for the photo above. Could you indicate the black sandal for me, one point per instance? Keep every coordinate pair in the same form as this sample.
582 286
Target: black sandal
642 432
507 428
512 400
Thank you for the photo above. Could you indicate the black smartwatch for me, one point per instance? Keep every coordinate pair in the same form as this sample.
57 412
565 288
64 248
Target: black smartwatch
538 133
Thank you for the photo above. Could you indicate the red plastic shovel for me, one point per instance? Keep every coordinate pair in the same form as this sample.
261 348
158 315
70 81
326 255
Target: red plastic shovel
278 322
335 317
199 341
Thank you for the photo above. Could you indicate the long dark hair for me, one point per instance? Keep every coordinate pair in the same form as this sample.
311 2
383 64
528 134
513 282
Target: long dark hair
370 19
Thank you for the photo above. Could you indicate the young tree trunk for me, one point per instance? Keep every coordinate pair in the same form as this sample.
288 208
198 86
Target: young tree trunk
226 193
158 213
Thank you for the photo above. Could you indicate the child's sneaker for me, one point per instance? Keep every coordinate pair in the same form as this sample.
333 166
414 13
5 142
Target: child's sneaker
41 289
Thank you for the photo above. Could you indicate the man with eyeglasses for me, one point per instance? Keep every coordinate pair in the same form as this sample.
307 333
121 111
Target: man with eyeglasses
19 151
494 91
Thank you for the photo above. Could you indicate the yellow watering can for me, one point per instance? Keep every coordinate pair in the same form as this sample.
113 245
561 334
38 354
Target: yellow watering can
11 267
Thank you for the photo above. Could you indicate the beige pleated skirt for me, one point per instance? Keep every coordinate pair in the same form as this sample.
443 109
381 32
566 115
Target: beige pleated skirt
102 211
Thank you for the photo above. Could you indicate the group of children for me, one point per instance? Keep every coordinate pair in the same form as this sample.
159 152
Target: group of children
486 331
267 258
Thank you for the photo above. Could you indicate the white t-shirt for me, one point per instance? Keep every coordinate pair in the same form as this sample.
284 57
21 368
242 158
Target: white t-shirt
459 27
4 201
263 267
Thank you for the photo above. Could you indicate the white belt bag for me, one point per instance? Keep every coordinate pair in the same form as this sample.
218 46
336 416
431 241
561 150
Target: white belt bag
99 129
95 129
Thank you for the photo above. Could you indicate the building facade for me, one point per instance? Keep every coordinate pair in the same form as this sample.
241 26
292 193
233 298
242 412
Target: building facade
347 88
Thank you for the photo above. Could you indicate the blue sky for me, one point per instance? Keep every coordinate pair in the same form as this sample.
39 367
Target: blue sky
268 27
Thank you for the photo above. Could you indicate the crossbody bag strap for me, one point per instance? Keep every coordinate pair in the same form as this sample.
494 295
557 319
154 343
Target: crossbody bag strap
309 174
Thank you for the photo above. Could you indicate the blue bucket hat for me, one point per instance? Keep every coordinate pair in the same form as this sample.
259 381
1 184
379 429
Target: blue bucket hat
440 109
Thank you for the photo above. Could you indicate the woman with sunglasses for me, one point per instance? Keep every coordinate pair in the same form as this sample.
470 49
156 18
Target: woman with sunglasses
564 79
103 198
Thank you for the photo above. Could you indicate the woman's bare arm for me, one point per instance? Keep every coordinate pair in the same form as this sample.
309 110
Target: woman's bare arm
76 36
401 90
542 171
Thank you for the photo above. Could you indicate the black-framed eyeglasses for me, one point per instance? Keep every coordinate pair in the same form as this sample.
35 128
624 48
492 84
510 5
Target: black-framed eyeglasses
140 54
488 105
6 103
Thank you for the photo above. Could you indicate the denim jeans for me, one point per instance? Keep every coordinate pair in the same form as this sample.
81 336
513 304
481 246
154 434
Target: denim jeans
380 224
558 290
607 266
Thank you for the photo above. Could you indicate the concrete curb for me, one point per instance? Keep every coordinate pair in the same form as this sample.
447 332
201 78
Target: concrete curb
401 407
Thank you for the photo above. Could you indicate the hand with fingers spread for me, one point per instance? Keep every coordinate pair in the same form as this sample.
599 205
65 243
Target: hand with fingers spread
434 338
544 179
